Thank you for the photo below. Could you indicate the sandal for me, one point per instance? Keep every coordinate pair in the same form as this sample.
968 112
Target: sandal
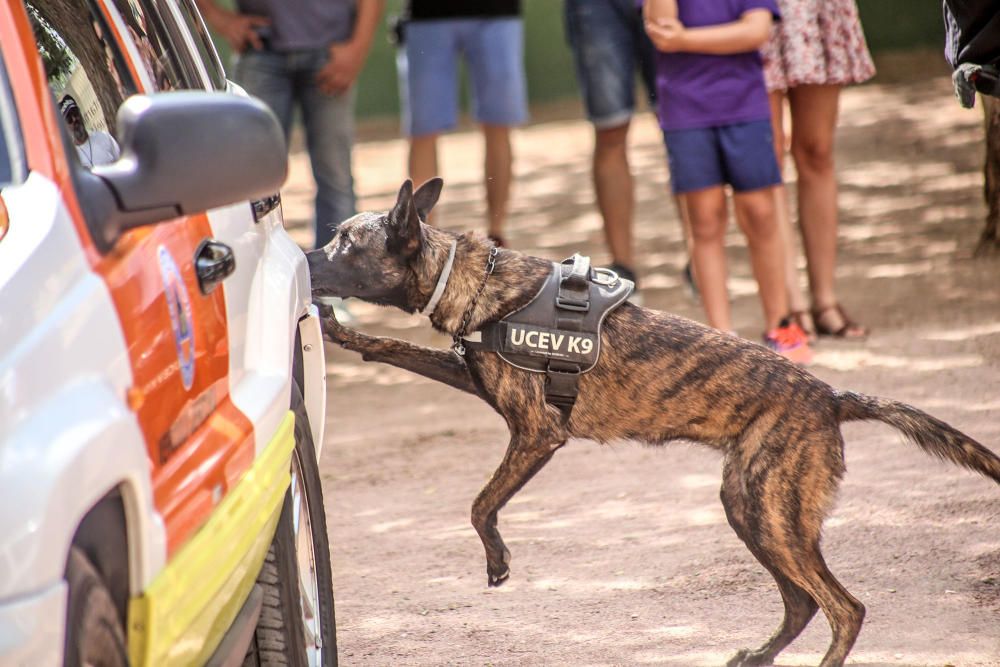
848 329
805 322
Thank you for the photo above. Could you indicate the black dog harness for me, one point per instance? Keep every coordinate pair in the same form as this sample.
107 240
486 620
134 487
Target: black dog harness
559 331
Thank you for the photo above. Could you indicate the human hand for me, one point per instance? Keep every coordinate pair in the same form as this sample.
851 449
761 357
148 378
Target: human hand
667 34
343 68
238 30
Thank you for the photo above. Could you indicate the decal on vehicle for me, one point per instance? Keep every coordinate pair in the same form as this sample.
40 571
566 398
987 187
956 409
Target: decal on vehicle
179 305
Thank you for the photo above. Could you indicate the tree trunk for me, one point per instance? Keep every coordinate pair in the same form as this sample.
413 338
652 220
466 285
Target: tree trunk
989 242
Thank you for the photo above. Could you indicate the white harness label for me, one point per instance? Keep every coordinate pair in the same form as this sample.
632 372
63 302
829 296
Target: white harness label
539 341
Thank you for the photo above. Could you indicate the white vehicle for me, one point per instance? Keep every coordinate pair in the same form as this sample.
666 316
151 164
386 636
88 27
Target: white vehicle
162 389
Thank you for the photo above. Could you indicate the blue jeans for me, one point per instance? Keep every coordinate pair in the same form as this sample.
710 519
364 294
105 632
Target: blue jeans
284 80
609 46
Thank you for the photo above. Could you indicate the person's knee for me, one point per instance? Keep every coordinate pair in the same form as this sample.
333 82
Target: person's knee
708 224
812 156
757 214
497 135
611 140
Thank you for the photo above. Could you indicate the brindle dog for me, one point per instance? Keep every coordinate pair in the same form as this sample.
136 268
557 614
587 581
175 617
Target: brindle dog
659 378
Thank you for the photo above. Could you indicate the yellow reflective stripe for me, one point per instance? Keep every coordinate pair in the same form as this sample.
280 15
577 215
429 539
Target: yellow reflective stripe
182 616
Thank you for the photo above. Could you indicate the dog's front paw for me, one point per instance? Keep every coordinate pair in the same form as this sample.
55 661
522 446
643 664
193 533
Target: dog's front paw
333 330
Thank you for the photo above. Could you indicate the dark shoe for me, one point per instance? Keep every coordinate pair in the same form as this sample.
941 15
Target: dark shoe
833 321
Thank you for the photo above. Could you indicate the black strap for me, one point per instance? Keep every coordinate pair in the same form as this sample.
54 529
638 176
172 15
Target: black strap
562 385
574 285
573 299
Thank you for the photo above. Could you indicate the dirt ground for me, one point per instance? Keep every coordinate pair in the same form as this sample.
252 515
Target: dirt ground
622 554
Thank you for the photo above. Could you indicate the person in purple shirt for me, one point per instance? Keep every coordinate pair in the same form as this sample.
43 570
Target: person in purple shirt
714 111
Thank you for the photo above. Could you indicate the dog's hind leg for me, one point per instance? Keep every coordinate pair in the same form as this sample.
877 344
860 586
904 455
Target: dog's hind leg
799 606
780 510
525 456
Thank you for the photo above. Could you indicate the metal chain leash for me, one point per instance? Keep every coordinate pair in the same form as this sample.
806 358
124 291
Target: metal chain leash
456 340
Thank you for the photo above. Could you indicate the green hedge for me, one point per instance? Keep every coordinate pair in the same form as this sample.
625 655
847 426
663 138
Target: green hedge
889 25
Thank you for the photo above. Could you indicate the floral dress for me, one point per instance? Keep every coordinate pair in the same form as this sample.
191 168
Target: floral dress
816 42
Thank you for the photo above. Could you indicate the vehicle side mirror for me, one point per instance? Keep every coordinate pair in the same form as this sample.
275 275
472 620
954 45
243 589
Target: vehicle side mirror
183 153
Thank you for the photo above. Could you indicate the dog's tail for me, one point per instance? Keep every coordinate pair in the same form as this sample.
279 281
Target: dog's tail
931 434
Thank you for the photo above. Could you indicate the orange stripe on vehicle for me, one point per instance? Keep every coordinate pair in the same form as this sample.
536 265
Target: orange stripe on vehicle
4 219
190 485
198 440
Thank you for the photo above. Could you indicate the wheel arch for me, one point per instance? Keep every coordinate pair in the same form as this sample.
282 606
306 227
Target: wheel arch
309 372
74 465
103 536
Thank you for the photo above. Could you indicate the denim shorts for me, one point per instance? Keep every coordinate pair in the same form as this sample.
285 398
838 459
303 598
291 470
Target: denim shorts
740 155
493 50
609 47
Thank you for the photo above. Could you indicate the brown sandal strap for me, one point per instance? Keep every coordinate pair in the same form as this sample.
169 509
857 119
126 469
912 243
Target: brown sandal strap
848 323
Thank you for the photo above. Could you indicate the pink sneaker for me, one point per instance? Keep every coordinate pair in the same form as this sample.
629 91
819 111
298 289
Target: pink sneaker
790 341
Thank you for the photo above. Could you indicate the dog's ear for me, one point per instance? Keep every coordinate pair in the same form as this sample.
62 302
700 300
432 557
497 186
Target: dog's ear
426 196
404 223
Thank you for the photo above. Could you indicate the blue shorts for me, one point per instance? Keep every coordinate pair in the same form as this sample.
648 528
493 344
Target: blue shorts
740 155
427 64
609 46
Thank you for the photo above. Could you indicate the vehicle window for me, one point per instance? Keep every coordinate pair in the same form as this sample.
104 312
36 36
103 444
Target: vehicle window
145 26
202 40
86 75
11 152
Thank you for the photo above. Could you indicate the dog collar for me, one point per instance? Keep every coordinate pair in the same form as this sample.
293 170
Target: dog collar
442 282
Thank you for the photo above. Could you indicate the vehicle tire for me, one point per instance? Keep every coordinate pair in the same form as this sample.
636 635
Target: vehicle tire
94 633
297 626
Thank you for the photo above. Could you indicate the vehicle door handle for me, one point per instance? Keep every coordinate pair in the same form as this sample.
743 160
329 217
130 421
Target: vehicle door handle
262 207
214 261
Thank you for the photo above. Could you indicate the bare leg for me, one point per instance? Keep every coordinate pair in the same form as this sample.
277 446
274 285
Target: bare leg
708 215
814 119
497 169
814 122
796 298
423 161
441 365
767 251
526 455
615 191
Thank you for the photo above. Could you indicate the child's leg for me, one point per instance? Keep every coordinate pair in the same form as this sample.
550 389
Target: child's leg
767 251
708 217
